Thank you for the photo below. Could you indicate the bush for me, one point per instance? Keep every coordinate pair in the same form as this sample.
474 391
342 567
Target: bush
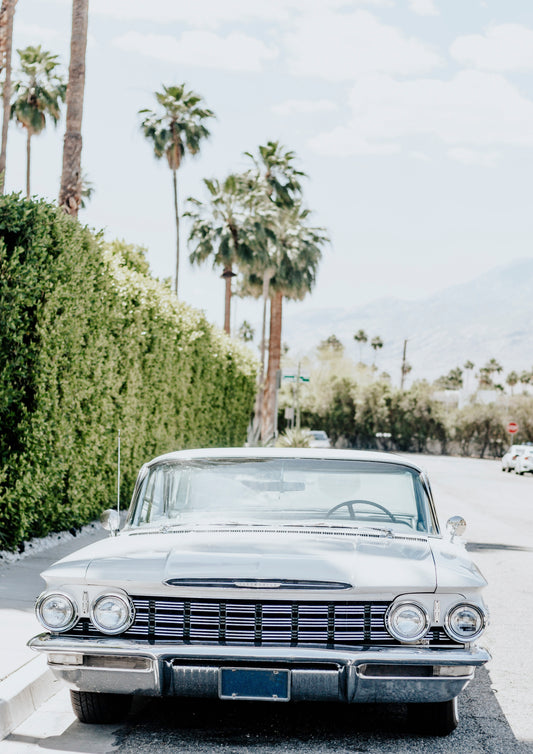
90 343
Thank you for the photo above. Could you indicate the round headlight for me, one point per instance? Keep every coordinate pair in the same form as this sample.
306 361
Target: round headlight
112 614
56 612
465 622
407 621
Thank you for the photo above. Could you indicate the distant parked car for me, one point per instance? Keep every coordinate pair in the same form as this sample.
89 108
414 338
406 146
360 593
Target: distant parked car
320 439
524 462
511 457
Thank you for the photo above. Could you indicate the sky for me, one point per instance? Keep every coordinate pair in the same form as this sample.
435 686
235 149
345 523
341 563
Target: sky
413 120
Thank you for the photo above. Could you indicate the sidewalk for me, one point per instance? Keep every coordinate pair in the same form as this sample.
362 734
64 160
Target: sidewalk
25 680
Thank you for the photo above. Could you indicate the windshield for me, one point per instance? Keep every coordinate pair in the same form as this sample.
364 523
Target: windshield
275 491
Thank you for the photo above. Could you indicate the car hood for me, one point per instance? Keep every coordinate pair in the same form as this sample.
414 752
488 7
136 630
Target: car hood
140 563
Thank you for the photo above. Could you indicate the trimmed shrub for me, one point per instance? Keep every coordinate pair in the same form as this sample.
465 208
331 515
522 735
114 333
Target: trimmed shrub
90 343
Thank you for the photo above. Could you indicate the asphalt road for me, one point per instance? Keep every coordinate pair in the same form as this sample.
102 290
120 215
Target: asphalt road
496 709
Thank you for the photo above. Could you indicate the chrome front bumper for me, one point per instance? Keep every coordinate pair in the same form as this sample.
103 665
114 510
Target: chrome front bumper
387 674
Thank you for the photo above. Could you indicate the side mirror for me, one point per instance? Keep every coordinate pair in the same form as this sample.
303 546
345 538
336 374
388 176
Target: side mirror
110 520
456 526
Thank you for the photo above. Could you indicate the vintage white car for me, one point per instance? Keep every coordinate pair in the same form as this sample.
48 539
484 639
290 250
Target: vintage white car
275 575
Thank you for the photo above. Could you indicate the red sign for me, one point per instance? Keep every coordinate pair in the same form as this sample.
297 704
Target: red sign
512 427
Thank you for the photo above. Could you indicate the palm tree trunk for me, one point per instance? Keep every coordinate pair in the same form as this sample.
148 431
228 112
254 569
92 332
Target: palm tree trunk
267 275
274 360
227 275
70 191
7 12
28 163
260 396
176 214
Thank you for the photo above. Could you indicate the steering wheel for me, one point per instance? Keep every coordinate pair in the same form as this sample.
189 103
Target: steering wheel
350 504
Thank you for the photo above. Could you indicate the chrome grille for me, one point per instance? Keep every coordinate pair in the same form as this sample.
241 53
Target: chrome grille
261 623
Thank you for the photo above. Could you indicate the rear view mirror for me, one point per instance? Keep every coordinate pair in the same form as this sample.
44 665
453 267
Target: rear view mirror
110 520
456 526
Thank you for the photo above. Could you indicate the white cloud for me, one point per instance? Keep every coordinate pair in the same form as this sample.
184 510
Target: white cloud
423 7
234 52
38 34
474 157
212 13
474 109
507 47
343 46
304 106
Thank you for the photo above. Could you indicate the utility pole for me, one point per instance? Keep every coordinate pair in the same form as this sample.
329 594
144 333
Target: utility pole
404 362
298 395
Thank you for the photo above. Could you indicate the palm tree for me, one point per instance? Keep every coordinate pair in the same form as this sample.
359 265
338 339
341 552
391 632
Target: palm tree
525 378
70 195
492 367
274 164
468 366
86 190
296 253
376 343
512 380
38 94
278 179
7 11
246 332
178 129
224 229
360 337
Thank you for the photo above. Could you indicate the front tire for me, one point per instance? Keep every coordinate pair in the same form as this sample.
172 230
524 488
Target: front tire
90 707
434 718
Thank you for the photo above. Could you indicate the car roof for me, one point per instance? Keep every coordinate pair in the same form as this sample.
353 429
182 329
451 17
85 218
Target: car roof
309 453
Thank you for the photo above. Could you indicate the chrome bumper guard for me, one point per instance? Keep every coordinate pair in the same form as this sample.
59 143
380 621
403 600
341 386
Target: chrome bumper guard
383 674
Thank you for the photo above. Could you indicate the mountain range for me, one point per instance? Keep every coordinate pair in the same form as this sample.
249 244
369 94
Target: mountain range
488 317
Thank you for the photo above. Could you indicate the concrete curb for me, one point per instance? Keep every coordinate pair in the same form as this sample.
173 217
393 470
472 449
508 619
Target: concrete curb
23 692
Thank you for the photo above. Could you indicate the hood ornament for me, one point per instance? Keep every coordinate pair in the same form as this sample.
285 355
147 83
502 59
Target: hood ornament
258 584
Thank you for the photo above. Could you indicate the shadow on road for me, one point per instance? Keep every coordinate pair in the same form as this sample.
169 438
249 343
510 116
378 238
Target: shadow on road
480 546
211 726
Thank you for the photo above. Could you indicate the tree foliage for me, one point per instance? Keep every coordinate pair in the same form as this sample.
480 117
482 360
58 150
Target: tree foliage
90 343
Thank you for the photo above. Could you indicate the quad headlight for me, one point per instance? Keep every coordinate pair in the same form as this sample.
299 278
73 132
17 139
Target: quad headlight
112 613
57 612
465 622
407 621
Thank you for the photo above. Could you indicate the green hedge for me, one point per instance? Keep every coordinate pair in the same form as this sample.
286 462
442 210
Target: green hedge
90 343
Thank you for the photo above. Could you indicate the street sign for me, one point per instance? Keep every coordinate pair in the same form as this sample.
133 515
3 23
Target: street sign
294 378
512 427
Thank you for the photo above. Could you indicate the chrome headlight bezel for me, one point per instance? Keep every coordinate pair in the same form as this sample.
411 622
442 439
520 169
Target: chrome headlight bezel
389 623
129 608
461 637
39 615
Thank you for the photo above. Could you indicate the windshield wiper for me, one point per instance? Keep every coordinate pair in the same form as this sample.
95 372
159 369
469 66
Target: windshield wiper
210 524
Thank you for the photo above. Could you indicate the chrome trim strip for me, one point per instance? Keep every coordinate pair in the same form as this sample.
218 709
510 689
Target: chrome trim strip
411 654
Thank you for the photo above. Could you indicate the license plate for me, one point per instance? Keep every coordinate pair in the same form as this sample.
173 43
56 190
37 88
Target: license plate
254 683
